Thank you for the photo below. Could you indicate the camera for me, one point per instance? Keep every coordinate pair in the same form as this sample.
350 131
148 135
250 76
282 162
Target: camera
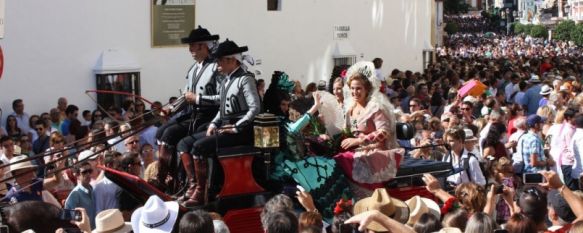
68 214
532 178
499 189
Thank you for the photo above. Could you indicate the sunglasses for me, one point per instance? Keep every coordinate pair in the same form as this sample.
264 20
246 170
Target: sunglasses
413 105
88 171
132 142
465 109
60 141
39 129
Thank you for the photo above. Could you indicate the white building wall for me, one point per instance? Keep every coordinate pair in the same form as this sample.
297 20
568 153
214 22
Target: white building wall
51 47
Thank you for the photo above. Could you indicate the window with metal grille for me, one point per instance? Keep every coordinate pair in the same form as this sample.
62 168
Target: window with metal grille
274 5
339 61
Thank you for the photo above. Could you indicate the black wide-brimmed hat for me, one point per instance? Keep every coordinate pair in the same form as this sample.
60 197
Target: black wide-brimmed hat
198 35
229 48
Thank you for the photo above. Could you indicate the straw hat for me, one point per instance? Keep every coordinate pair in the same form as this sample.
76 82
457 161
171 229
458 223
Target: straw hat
111 221
87 154
546 90
381 201
420 205
469 135
156 216
15 163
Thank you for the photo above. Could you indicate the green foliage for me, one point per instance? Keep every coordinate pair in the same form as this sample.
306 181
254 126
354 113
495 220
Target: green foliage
455 7
577 34
451 28
518 28
563 30
539 31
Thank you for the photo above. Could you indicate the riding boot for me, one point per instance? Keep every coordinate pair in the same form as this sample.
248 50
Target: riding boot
199 195
187 163
163 165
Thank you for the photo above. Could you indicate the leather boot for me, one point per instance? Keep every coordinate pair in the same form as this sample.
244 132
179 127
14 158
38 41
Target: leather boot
187 163
199 195
164 157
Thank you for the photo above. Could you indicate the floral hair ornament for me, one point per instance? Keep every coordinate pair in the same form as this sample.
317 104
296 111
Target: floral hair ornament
284 84
343 73
342 206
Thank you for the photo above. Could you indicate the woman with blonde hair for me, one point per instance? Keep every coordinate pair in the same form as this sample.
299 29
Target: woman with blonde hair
549 114
368 160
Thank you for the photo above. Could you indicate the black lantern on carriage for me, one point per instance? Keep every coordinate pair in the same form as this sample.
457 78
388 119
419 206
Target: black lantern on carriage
266 136
266 131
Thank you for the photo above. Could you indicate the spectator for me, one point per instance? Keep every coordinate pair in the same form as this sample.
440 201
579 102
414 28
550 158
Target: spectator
105 191
198 221
480 223
561 151
310 219
82 195
20 115
12 128
427 223
530 146
27 187
560 214
519 223
34 215
282 222
466 165
576 145
532 95
70 115
62 107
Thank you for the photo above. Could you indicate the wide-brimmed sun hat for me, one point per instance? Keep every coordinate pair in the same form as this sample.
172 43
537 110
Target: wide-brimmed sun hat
16 164
111 221
381 201
156 216
419 206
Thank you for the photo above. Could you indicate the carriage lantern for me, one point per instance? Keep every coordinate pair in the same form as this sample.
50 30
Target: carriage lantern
266 131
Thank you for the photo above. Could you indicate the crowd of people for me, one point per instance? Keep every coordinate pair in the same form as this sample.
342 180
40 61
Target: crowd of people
499 109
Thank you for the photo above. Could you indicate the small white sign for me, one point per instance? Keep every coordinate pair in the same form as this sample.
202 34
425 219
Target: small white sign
341 32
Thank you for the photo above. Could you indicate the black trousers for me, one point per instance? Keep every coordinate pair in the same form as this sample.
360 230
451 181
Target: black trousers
199 144
173 131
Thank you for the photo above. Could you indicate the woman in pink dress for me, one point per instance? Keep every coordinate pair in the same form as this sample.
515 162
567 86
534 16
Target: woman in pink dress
369 158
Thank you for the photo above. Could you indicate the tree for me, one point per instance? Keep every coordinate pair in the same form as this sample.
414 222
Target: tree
563 30
577 34
451 28
455 6
538 31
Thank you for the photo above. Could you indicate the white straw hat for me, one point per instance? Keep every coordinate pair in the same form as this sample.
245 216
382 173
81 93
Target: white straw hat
111 221
156 216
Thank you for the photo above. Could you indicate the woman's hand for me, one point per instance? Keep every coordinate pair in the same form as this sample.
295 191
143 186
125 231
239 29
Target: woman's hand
317 99
432 184
350 143
306 200
211 130
364 219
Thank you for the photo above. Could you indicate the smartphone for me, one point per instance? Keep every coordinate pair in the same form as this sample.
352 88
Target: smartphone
347 228
290 191
68 214
532 178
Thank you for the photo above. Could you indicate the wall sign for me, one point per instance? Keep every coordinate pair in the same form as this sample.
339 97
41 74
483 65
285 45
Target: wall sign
341 32
171 20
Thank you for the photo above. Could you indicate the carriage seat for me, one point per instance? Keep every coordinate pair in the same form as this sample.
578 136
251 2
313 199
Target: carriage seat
237 168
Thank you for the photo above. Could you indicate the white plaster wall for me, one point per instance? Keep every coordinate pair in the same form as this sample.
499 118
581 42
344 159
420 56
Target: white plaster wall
51 47
299 38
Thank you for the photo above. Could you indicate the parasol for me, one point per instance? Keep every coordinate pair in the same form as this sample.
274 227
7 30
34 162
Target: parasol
474 88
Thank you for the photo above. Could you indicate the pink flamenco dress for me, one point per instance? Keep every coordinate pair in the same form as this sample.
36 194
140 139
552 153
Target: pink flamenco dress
370 165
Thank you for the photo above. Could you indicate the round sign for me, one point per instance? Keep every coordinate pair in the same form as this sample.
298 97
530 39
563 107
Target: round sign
1 62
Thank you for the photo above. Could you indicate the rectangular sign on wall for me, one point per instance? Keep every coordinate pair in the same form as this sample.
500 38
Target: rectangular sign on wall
2 14
171 20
